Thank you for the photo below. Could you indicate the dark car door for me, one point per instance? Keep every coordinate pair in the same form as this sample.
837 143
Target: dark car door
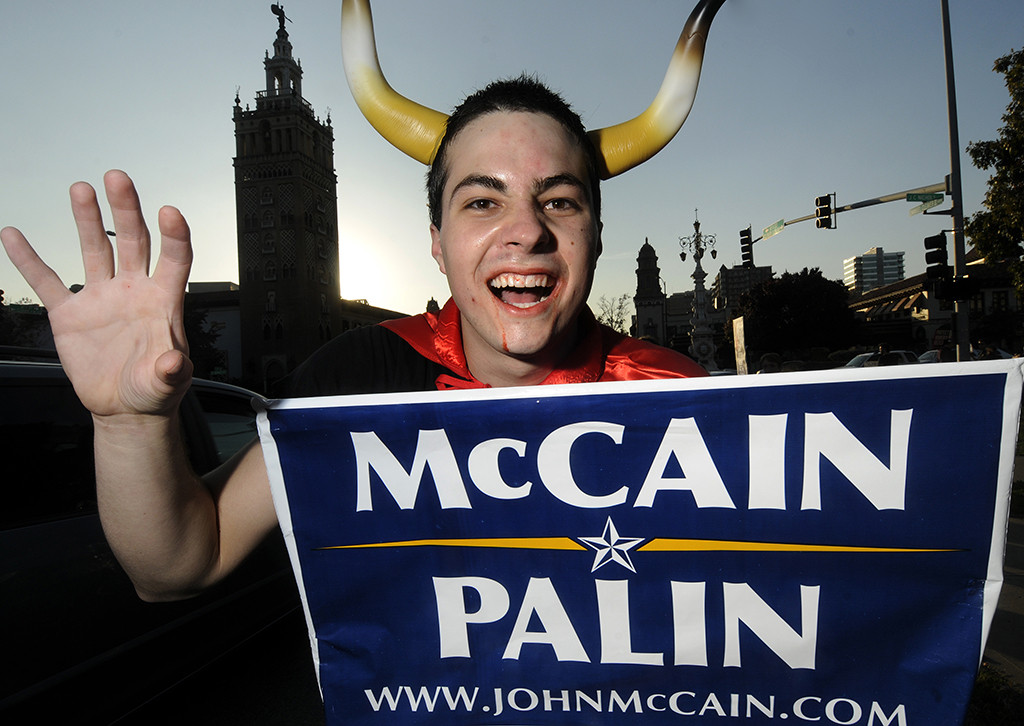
78 644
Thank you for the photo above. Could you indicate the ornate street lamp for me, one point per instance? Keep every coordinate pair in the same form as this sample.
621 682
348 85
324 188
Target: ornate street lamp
702 340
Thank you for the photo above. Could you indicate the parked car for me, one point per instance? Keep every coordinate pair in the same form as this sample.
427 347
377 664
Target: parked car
79 646
936 356
989 353
889 358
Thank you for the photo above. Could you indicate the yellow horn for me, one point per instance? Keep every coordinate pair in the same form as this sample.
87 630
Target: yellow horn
414 129
621 147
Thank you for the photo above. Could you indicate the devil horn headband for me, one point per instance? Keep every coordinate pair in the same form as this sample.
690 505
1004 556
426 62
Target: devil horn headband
417 130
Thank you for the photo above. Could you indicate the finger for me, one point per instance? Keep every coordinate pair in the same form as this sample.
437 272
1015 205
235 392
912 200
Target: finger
173 368
175 260
97 252
129 226
40 277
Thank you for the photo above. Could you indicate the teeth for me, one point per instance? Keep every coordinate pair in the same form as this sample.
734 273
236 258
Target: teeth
510 279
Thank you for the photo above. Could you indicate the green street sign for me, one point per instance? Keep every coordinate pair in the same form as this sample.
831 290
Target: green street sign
926 205
773 229
921 197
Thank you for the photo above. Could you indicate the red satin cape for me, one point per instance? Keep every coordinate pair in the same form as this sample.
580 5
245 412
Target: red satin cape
602 354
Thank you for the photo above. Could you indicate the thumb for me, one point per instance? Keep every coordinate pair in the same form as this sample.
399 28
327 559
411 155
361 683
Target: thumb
174 368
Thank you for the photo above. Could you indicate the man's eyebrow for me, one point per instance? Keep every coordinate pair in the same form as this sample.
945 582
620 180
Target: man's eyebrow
542 185
480 180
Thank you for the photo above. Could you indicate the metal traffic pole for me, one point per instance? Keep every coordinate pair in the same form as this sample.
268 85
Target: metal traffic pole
963 344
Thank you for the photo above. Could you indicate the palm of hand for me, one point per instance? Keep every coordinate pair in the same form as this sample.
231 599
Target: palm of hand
120 338
123 346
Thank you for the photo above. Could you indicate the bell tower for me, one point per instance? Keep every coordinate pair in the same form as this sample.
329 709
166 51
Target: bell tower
284 74
286 207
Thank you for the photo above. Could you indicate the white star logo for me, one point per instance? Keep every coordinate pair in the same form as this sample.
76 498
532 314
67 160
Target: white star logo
610 547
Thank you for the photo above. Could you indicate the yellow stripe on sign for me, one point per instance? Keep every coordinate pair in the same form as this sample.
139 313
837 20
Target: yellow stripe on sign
712 545
514 543
655 545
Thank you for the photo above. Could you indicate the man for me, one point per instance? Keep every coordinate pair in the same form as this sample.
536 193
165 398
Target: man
514 202
515 228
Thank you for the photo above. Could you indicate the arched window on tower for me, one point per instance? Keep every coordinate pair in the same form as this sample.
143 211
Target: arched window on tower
268 219
270 271
266 196
271 304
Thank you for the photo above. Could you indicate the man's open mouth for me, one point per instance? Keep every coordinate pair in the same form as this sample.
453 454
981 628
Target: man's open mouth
521 291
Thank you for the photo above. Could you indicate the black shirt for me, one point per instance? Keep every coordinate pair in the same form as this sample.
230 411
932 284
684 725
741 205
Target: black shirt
370 359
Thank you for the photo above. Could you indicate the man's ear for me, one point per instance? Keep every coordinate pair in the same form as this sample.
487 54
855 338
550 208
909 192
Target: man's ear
435 248
599 247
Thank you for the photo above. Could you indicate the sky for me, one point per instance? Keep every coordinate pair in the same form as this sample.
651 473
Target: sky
797 98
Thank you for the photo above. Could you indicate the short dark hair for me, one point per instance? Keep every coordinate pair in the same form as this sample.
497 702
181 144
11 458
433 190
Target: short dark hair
526 94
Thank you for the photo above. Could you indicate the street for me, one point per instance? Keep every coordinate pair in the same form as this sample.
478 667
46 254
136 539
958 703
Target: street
1005 648
267 681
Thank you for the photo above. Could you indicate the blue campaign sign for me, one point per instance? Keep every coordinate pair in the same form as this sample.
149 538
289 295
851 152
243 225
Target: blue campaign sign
794 547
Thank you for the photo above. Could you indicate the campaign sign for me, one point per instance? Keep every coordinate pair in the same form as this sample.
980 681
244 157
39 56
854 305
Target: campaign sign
787 548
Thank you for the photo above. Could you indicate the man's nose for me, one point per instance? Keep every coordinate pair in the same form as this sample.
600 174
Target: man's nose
526 227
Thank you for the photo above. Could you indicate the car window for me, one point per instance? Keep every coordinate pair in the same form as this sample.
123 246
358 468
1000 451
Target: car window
46 447
46 444
231 419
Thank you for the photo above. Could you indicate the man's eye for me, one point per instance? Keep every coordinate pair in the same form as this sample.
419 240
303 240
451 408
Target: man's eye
481 204
562 204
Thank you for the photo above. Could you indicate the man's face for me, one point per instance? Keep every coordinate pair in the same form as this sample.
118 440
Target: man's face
518 241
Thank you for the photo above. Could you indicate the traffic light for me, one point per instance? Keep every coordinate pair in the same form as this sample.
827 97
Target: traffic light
823 212
936 257
746 247
964 288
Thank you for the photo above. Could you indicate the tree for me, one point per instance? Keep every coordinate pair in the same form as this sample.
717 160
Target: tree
998 231
614 312
202 337
795 313
25 330
8 328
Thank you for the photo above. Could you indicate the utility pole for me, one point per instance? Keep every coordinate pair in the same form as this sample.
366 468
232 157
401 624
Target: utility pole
963 340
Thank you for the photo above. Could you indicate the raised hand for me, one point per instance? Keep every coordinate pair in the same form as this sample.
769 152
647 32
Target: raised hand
121 338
